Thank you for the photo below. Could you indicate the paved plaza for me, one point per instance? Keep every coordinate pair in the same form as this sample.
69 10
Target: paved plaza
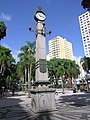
70 106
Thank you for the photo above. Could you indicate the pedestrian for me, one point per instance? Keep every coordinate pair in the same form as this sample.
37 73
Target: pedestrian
74 89
13 91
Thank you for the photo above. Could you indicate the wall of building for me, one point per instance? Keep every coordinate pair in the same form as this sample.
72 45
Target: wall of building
84 21
60 48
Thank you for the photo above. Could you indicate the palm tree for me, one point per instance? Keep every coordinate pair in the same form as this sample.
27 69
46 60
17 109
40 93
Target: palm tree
85 61
74 70
27 58
23 63
61 73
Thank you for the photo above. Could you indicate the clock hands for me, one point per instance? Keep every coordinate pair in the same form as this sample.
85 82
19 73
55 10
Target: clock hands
41 16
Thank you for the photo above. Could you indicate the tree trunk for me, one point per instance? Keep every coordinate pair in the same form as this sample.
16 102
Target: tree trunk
25 78
87 86
62 85
29 80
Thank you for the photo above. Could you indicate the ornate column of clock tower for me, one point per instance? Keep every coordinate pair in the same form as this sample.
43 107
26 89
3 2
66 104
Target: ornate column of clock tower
41 68
42 97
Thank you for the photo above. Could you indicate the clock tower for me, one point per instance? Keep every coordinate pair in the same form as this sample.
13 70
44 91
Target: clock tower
42 97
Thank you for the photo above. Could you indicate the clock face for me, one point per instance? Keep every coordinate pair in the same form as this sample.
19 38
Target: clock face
40 16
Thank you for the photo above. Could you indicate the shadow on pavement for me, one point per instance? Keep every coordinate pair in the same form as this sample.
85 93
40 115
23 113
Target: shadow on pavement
43 116
76 100
13 108
10 109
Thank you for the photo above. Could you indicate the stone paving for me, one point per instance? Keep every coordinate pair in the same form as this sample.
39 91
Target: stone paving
74 106
71 106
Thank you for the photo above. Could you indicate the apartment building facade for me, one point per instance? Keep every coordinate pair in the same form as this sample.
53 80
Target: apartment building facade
60 48
84 21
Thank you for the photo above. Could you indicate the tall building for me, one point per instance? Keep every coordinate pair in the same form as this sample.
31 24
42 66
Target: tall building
60 48
84 21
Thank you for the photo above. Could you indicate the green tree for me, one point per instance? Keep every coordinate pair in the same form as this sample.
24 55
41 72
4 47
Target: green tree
2 30
6 62
85 61
86 4
27 59
62 68
6 59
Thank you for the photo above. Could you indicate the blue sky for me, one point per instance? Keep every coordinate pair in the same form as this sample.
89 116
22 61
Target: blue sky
62 20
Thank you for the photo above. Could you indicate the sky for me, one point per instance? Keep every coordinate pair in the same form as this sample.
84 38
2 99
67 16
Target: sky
62 20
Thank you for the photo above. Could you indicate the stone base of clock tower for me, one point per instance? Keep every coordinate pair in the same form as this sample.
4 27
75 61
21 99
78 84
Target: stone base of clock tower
43 99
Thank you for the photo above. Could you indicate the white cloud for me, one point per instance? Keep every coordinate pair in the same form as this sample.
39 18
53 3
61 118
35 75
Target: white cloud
6 46
77 59
5 17
15 54
48 57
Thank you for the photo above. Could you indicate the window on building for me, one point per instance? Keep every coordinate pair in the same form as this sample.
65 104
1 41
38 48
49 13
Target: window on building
85 45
